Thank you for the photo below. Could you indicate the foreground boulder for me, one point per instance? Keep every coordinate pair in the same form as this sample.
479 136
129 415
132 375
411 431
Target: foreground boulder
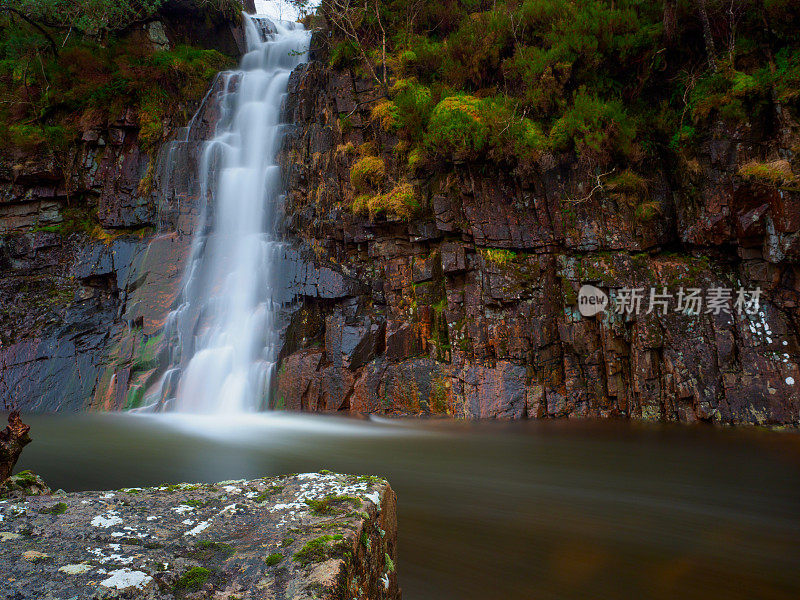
314 535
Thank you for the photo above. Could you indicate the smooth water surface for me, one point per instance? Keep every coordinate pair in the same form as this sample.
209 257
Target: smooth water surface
497 511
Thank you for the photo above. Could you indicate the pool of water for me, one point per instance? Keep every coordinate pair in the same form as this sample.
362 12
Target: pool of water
509 511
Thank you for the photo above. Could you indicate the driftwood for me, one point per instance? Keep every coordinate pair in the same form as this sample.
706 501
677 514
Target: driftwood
12 440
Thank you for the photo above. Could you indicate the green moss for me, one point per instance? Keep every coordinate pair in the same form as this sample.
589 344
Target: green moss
332 504
322 548
208 550
273 559
773 173
56 509
270 491
287 541
389 563
498 256
192 580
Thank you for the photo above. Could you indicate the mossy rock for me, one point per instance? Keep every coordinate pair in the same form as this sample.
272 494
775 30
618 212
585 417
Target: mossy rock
24 483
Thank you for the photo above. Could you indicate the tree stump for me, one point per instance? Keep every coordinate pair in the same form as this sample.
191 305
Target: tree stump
12 440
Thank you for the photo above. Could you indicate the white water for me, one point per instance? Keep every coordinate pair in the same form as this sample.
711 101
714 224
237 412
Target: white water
230 280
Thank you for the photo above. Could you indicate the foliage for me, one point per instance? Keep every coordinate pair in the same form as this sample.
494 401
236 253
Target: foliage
467 128
86 16
367 173
615 82
399 202
273 559
458 128
592 125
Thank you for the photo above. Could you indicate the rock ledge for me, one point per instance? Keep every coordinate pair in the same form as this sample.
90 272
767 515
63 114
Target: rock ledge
313 535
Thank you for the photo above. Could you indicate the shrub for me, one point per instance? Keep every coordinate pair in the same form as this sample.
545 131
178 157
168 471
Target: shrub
594 126
475 51
457 128
31 137
422 59
343 54
416 159
400 202
414 104
367 173
388 115
627 182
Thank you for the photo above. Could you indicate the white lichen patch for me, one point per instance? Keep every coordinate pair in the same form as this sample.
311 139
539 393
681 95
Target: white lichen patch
182 508
131 532
126 578
320 485
202 526
5 536
110 555
153 518
790 381
187 522
108 495
76 569
107 520
232 489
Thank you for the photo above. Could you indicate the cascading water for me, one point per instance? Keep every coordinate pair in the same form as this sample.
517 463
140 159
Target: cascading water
228 303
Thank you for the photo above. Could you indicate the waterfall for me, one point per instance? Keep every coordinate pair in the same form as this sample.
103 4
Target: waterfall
228 304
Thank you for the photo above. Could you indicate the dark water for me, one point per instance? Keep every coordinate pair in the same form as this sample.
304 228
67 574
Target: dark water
499 511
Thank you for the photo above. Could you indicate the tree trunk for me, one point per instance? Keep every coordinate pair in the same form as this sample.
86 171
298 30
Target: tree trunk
783 120
709 39
670 21
12 440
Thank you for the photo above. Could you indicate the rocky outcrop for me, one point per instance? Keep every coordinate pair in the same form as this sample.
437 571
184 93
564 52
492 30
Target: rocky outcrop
470 307
314 535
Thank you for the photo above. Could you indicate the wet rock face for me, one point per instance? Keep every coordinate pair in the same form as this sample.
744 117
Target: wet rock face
81 314
470 308
314 535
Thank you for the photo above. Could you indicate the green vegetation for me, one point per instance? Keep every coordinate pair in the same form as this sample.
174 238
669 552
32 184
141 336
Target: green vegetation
399 202
192 580
321 548
56 509
620 83
66 67
775 173
498 255
367 173
332 504
273 559
212 551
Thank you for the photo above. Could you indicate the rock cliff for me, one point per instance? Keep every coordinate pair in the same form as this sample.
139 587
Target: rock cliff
470 307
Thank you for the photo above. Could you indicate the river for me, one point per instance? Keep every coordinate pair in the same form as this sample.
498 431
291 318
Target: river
505 511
